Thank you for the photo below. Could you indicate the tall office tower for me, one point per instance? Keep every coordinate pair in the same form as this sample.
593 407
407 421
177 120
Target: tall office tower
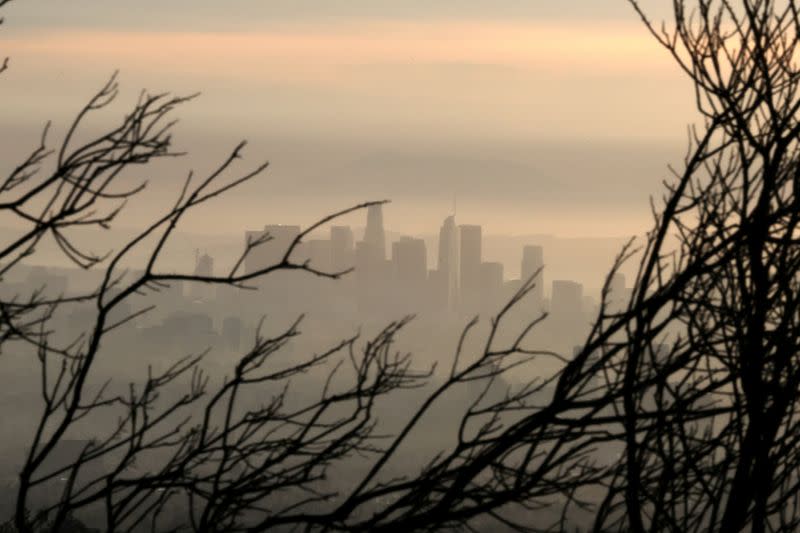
470 264
372 278
566 300
616 293
448 261
374 235
362 260
282 237
276 240
364 276
436 295
279 238
410 261
617 283
533 260
342 251
204 267
491 281
318 252
257 257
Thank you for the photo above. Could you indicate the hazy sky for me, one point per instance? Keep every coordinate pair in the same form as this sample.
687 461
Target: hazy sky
540 116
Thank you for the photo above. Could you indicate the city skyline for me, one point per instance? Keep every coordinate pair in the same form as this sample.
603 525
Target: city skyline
475 265
460 279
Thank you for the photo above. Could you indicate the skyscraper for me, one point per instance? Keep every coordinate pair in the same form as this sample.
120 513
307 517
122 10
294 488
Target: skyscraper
204 267
617 286
279 238
532 261
409 258
616 293
318 252
342 251
372 277
566 300
275 241
470 264
282 237
256 258
491 275
448 262
410 274
372 269
374 235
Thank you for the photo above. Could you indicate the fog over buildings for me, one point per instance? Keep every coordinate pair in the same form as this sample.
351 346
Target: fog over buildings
537 117
450 278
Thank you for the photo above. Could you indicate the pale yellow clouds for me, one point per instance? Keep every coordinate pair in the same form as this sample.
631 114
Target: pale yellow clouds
378 87
308 52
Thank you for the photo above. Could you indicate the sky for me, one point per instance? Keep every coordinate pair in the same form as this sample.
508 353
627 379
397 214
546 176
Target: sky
535 116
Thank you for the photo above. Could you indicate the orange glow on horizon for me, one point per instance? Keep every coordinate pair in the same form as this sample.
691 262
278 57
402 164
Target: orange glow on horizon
302 49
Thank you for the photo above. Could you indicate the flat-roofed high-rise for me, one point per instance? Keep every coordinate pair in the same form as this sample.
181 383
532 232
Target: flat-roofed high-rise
278 239
410 261
470 255
342 251
533 261
566 299
491 280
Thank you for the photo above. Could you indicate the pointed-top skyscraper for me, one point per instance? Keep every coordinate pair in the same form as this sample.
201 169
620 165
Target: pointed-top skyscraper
448 261
372 269
374 236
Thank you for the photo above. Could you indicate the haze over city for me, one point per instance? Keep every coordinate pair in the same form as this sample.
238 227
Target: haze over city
397 266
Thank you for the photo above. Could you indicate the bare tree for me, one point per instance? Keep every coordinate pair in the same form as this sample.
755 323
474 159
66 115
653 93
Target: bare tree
221 462
709 370
229 465
694 382
699 373
216 461
4 64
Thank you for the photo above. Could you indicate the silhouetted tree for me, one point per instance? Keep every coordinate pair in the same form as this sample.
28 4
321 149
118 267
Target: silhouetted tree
693 383
206 458
216 461
709 369
696 381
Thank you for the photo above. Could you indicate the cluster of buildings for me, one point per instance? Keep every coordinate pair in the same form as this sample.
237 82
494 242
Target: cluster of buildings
388 280
399 277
